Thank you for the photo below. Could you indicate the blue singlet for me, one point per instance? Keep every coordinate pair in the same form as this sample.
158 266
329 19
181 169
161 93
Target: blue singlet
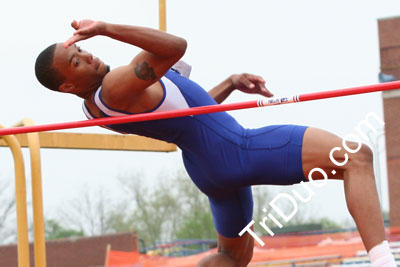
222 158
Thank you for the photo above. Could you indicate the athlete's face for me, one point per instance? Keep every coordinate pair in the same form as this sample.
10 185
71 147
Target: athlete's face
83 72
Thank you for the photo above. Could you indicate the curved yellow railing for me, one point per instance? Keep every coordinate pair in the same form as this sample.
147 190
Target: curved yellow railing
20 193
37 196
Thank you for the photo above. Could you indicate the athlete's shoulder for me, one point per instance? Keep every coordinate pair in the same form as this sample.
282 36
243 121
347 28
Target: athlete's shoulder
113 80
115 88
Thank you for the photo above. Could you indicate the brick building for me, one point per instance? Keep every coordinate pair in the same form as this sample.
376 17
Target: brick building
389 42
75 252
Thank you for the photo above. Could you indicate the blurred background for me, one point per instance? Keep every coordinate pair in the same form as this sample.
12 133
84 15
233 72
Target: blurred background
297 46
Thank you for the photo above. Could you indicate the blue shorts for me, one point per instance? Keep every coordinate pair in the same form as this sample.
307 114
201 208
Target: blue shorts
266 156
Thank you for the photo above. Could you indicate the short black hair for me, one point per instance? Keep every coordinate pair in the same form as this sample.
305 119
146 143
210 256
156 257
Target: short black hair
45 73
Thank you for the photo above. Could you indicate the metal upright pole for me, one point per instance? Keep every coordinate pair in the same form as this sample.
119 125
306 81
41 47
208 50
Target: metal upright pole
162 6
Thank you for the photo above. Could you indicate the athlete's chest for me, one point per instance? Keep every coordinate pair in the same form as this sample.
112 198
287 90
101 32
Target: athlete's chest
146 101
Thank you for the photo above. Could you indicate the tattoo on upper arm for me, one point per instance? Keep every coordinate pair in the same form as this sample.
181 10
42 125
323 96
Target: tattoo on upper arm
144 72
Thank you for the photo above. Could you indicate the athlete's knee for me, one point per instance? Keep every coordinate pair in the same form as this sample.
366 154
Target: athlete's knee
218 260
366 153
243 258
226 259
362 158
247 256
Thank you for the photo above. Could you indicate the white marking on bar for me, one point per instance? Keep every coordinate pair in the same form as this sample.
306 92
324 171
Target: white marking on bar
277 101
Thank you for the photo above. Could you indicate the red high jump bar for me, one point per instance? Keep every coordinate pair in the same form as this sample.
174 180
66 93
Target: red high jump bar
204 109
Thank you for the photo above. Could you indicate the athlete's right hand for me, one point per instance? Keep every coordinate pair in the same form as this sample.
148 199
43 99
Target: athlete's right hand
250 84
85 29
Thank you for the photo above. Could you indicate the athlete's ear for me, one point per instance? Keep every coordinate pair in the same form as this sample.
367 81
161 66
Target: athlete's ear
66 87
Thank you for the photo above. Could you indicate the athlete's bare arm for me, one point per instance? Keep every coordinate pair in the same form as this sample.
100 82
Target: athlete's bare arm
247 83
160 51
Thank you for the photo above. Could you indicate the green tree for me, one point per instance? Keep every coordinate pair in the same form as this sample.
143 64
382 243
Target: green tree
261 199
54 230
196 218
328 224
155 212
120 219
94 213
198 225
173 209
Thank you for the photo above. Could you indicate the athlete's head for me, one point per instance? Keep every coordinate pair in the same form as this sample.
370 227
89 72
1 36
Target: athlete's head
69 70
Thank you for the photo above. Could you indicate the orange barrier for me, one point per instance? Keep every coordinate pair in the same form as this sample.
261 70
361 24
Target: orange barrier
132 259
331 247
118 258
303 239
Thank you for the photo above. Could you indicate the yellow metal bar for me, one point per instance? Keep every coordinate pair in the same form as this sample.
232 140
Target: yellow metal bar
20 192
162 6
97 141
37 196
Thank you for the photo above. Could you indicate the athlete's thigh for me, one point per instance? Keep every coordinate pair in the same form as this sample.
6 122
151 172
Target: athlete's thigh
317 146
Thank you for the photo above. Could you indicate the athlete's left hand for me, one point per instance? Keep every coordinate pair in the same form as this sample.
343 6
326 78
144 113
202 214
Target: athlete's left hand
250 84
85 29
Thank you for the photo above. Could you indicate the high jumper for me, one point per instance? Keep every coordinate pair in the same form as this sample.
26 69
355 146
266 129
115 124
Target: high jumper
222 158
